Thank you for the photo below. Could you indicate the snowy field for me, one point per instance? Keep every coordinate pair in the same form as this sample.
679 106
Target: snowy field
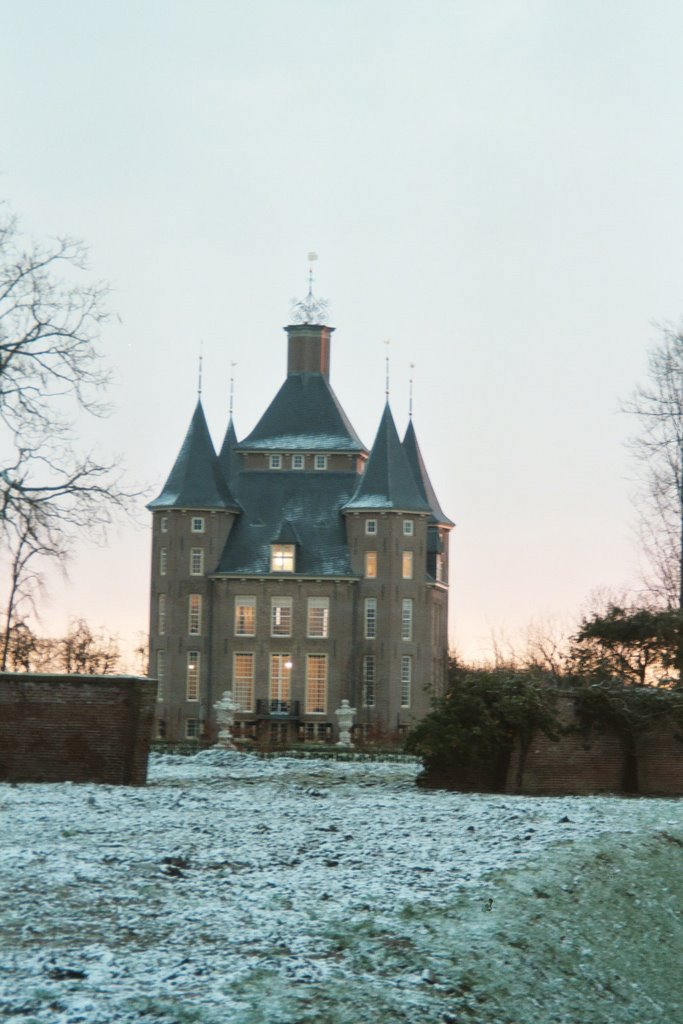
233 889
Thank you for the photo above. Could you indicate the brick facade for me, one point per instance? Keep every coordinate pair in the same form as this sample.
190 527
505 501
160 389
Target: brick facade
57 728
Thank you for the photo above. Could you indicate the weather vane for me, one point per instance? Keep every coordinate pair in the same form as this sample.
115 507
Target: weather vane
232 385
387 342
310 310
201 358
410 392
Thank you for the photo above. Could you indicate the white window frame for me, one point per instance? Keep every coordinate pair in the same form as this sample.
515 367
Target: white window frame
320 462
161 672
191 728
164 524
370 618
407 618
282 557
369 676
408 528
298 461
281 614
197 524
192 677
370 565
163 561
280 677
371 527
407 562
406 679
243 680
162 615
194 614
275 462
316 684
318 618
245 601
196 561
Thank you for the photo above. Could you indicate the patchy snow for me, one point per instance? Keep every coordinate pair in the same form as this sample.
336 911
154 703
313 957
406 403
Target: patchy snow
234 889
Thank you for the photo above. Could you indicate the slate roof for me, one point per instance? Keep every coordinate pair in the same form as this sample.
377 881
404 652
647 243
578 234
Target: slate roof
230 461
424 484
303 507
388 481
196 480
305 415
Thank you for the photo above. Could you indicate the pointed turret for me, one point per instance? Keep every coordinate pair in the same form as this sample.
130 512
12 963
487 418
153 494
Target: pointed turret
388 481
424 484
229 459
196 480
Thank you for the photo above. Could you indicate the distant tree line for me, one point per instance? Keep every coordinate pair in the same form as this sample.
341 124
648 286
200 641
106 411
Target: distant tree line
81 650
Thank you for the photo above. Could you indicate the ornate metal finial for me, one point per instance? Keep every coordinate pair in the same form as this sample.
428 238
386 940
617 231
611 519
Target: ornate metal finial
387 342
410 392
310 310
232 386
201 359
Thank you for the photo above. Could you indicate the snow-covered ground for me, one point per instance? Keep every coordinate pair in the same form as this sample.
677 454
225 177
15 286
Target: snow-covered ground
234 889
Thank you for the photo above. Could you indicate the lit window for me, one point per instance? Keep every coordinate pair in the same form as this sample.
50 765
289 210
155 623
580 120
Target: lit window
281 616
164 524
406 679
161 668
407 619
370 618
371 526
320 462
162 614
245 616
275 462
243 681
407 565
282 558
316 684
163 561
192 690
191 728
369 680
407 527
318 617
440 570
196 561
370 565
280 678
298 462
197 525
194 618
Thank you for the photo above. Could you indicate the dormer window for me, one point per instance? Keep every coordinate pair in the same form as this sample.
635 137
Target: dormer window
282 557
276 462
320 462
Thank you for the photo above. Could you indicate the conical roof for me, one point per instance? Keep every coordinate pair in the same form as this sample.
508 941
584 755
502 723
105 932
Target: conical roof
305 415
424 484
388 481
230 461
196 480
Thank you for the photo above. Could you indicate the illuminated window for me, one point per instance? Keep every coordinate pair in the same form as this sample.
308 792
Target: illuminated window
161 669
370 565
407 619
369 680
191 728
298 462
164 524
192 689
163 561
243 681
370 618
406 679
245 616
320 462
197 524
316 684
280 679
318 617
275 462
407 527
407 565
282 558
371 526
196 561
194 616
440 570
281 616
162 614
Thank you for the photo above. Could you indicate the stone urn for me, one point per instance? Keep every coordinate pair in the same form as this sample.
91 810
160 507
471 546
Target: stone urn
345 715
225 709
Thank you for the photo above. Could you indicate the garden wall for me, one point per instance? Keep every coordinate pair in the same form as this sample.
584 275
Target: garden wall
69 728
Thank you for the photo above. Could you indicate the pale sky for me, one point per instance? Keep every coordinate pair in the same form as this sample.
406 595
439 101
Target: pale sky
494 185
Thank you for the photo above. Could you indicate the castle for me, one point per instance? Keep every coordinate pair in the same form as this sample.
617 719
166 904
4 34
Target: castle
297 569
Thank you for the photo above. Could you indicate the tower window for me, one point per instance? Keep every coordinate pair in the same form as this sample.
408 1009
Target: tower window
162 614
371 527
164 524
282 558
407 619
320 462
191 728
196 561
369 680
370 565
370 618
407 565
192 687
163 561
298 462
275 462
194 619
408 528
406 679
161 668
197 525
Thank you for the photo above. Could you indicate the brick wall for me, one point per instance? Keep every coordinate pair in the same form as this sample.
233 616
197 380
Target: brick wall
58 728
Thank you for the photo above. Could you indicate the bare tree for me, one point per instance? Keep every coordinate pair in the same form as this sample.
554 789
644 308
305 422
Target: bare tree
50 373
